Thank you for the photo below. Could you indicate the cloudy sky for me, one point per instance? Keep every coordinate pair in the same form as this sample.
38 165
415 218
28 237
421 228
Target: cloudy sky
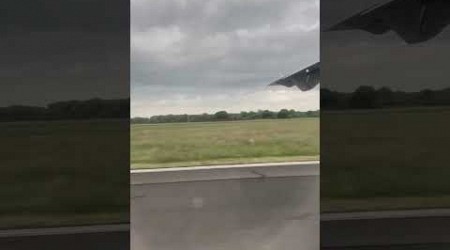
201 56
49 53
353 58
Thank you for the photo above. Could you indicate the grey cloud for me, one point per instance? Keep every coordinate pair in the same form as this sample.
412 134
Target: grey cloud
199 49
213 15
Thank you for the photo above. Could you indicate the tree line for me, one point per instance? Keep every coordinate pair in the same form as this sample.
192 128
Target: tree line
366 97
225 116
68 110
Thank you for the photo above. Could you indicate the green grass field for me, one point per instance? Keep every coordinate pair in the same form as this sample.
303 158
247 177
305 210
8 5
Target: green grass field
389 159
63 173
193 144
78 174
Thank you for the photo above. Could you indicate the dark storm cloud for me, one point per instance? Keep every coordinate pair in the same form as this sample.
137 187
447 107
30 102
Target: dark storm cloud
59 50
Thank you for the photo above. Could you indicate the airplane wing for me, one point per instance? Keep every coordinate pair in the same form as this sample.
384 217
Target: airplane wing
304 79
372 19
414 21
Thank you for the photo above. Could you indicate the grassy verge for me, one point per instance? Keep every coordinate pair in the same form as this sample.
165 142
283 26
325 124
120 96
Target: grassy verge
191 144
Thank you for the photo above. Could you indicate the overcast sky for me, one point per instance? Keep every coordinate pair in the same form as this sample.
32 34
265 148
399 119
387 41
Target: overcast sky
353 58
63 50
201 56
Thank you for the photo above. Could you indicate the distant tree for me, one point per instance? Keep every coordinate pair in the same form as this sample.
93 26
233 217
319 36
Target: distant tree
266 114
283 114
221 115
426 97
140 120
328 99
252 115
243 115
224 116
386 96
184 118
292 113
364 97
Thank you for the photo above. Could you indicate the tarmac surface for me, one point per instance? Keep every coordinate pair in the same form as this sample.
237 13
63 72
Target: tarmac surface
427 230
270 207
108 237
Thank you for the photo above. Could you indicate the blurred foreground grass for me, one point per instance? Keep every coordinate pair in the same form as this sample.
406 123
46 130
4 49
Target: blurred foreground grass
385 159
64 173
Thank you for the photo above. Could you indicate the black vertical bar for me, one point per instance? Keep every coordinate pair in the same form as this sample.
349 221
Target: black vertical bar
64 124
385 108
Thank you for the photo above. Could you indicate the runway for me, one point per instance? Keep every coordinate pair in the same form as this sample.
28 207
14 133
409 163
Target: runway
426 229
273 206
111 237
